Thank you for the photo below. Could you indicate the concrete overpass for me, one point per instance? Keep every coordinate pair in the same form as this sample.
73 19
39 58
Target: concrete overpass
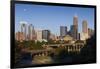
44 52
76 47
50 50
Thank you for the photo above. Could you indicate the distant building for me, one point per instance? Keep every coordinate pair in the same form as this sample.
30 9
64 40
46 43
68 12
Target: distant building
57 38
67 38
69 32
34 34
46 34
63 31
78 36
24 29
19 36
84 26
90 32
31 32
75 21
52 37
83 36
74 32
75 27
39 35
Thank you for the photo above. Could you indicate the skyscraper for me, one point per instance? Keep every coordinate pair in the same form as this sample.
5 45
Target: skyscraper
73 32
46 34
84 26
31 32
84 34
24 29
75 27
39 35
63 31
90 32
78 36
75 21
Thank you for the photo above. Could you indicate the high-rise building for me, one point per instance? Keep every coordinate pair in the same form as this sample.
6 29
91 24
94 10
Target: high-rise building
31 32
30 28
75 21
34 34
78 36
46 34
63 31
84 34
73 32
84 26
24 29
38 35
75 27
90 32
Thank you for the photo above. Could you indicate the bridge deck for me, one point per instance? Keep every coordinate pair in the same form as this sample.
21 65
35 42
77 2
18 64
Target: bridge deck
64 44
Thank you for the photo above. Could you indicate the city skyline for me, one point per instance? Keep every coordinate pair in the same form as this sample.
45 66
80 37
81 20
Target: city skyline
47 20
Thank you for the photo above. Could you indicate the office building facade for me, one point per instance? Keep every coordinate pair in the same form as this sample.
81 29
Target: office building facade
24 29
63 31
46 34
84 26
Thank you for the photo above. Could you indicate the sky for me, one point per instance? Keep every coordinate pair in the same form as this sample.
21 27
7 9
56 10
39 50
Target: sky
52 17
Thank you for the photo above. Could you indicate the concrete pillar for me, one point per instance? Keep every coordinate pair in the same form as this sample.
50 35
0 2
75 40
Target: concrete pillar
68 49
71 48
42 54
39 54
74 48
46 53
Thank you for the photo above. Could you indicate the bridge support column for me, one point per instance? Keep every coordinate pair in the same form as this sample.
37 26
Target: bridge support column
43 54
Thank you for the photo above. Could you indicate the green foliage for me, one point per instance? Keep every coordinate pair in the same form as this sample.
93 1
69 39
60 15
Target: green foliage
29 45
